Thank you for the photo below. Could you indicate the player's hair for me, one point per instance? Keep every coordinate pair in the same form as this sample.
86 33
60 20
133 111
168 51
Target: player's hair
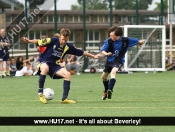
12 58
65 32
112 29
116 29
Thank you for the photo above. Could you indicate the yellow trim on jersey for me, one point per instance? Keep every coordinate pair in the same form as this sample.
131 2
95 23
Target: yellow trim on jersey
42 42
38 64
65 49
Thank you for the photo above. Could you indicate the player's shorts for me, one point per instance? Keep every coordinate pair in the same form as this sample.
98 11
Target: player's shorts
53 68
6 56
1 55
110 65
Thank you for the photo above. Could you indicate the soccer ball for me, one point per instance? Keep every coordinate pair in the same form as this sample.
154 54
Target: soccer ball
48 93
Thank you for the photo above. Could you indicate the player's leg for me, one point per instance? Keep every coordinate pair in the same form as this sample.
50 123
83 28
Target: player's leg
43 68
1 68
112 82
66 85
104 77
1 62
6 59
7 68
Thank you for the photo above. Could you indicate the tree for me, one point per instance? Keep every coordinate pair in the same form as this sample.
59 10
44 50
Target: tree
158 5
131 4
91 5
118 4
34 3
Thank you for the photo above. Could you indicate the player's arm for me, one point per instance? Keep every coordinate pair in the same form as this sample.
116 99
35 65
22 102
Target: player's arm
106 53
90 55
40 42
4 44
104 50
26 40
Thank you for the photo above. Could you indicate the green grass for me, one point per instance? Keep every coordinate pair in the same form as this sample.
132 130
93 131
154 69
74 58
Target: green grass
136 94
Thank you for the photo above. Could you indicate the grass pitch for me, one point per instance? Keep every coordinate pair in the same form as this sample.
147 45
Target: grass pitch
136 94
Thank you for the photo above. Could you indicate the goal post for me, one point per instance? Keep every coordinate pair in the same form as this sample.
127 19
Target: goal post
149 57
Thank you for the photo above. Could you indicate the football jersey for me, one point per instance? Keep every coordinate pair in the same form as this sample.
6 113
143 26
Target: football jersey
6 40
118 48
54 52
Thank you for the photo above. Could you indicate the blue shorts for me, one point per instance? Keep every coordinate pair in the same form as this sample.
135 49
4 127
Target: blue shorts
110 65
53 68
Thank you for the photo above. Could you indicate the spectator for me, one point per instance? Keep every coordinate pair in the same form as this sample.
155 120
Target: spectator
34 64
72 64
13 68
19 63
27 70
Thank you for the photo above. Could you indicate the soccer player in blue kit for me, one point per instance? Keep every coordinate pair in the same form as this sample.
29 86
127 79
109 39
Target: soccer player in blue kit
50 62
115 48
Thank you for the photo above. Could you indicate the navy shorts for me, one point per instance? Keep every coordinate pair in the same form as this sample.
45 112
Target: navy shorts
110 65
4 56
53 68
1 55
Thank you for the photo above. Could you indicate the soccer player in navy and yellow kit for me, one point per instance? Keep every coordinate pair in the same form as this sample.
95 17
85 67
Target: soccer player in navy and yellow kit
115 49
50 61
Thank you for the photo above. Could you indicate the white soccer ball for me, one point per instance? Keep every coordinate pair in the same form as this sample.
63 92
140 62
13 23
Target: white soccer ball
48 93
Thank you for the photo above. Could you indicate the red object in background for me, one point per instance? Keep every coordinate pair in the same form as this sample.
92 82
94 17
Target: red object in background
42 49
62 60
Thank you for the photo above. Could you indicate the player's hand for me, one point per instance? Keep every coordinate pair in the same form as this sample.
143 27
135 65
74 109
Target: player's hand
96 56
26 40
62 64
141 42
109 53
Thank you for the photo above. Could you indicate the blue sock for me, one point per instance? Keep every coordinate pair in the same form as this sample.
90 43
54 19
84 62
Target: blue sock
66 88
106 83
41 83
111 84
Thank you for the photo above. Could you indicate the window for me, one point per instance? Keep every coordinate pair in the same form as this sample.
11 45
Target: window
105 18
87 19
35 19
93 35
125 19
71 38
75 18
8 18
62 19
93 38
45 18
15 42
93 18
90 35
50 18
31 36
38 35
70 18
100 18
